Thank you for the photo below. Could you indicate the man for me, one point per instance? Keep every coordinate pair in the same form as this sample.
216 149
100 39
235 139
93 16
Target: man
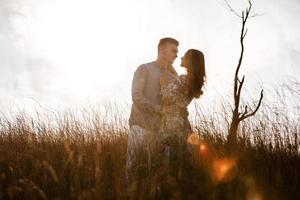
145 111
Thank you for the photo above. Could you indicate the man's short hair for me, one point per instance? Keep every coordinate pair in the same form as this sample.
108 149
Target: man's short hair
166 40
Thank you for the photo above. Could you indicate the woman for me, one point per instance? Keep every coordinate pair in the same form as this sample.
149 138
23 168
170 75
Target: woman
177 94
172 157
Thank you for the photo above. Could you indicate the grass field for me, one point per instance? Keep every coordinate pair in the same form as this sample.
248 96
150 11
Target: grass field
64 157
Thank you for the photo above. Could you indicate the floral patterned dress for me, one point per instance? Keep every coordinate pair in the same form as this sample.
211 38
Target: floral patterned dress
175 100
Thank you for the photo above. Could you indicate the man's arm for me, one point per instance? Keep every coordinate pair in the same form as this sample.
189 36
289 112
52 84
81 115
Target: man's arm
138 85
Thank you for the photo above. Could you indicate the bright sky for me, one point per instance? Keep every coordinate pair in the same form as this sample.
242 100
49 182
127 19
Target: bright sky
69 52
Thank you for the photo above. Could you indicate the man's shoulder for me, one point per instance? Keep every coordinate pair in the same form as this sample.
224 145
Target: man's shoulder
146 66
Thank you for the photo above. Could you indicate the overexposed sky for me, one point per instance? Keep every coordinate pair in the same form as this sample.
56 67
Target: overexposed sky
70 52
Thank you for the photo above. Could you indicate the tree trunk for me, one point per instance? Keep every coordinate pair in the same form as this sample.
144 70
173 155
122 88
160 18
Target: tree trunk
232 133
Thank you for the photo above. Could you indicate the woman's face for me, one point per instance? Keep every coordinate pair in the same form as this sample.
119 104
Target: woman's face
184 61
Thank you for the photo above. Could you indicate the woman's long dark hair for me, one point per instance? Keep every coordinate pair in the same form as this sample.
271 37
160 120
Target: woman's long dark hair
196 76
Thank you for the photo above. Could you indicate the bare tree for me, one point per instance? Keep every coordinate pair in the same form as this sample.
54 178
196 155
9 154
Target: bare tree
237 116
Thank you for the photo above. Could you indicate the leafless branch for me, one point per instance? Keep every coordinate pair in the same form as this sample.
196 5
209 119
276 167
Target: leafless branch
245 33
245 115
240 87
238 15
231 9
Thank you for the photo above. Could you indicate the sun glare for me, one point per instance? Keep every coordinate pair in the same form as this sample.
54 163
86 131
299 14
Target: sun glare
81 39
222 169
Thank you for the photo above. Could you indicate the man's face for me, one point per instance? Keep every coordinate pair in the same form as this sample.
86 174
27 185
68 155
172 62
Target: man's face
169 52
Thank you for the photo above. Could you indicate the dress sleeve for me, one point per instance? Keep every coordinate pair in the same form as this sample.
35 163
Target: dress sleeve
138 85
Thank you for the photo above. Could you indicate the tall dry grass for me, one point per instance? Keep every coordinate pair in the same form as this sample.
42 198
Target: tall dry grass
69 156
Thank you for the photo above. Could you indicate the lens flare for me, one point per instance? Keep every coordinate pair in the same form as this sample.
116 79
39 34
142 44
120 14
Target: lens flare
254 196
193 139
252 191
203 148
223 169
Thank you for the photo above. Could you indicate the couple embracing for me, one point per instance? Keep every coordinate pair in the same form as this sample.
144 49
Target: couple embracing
160 99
